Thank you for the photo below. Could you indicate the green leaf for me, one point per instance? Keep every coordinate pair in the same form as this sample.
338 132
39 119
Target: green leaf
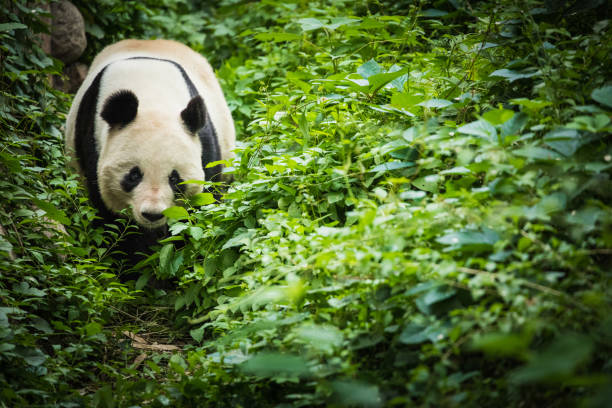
277 37
603 95
93 328
4 27
309 24
537 153
470 240
456 170
563 140
435 103
322 337
514 125
377 81
356 393
52 212
178 363
480 128
438 294
176 212
202 199
395 165
502 344
512 76
413 334
369 68
556 362
404 100
498 116
275 365
534 105
427 183
32 356
197 334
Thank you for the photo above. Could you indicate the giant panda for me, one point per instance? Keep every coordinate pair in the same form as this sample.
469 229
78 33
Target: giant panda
149 115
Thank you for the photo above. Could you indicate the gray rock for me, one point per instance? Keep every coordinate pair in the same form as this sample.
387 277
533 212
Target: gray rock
68 39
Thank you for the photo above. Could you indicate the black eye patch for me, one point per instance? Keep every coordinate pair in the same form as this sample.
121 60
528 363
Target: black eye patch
174 179
131 179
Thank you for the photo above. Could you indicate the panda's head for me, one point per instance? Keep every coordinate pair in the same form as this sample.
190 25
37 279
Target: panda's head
147 155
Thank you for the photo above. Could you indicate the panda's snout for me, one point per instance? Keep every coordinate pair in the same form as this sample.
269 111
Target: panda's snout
152 216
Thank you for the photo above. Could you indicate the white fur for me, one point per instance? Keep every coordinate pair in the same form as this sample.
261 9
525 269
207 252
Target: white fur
156 140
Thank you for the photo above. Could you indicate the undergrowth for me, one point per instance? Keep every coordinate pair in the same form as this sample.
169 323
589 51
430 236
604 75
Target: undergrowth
420 214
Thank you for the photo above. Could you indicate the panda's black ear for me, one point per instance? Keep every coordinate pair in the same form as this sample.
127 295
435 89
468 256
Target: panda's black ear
120 108
194 115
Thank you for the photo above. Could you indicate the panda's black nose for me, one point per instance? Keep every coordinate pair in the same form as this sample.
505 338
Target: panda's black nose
152 216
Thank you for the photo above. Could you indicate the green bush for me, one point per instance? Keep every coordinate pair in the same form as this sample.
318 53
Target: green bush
420 214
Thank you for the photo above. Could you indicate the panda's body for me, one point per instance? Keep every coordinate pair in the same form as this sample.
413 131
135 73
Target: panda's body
149 115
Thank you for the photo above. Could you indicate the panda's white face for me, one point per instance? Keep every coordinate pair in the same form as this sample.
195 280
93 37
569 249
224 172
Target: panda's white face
144 161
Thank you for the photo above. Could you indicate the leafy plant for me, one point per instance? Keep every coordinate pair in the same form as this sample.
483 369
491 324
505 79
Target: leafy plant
420 215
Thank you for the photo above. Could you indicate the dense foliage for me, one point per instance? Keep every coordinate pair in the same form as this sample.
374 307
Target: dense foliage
421 214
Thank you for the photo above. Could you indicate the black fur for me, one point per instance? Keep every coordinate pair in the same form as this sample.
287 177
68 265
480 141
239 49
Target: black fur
120 108
131 179
175 181
85 144
194 115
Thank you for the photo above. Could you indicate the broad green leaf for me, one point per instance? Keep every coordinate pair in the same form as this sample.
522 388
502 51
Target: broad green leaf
413 334
33 357
433 13
498 116
456 170
322 337
178 363
337 22
435 103
405 100
502 344
395 165
309 24
534 105
427 183
355 393
437 294
603 95
197 334
277 37
202 199
12 26
242 237
369 68
537 153
51 211
557 361
93 328
514 125
334 197
470 240
563 140
275 365
196 233
512 76
176 212
480 128
412 195
399 82
377 81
